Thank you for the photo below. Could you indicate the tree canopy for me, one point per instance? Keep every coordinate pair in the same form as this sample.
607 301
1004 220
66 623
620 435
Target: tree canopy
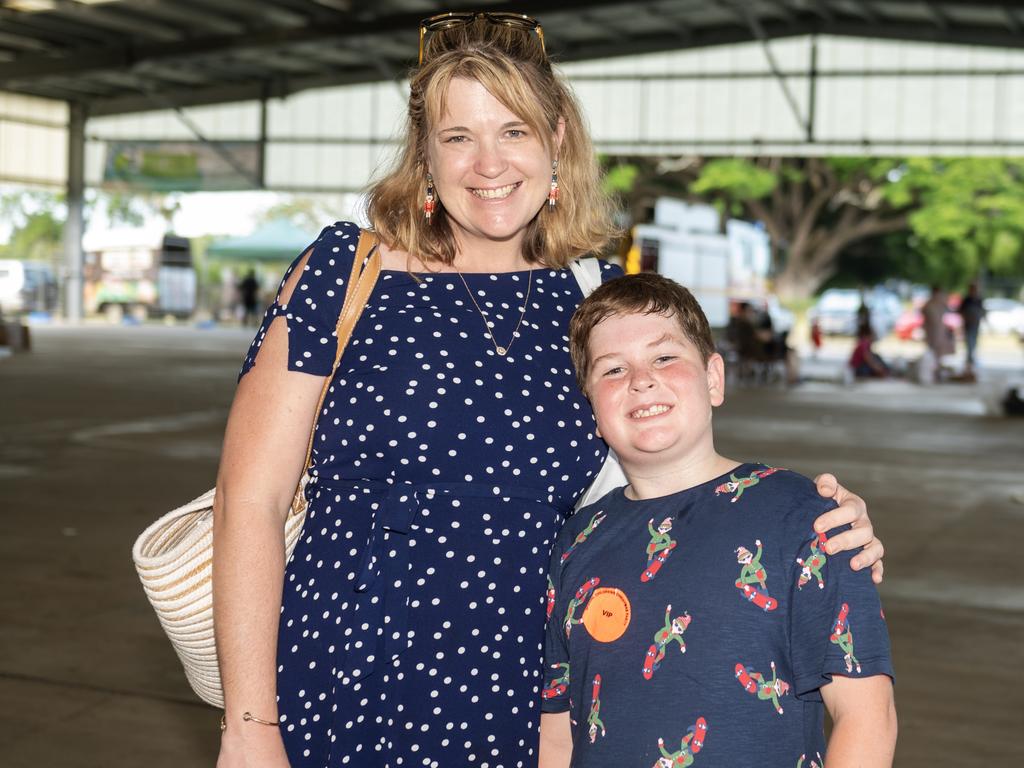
957 216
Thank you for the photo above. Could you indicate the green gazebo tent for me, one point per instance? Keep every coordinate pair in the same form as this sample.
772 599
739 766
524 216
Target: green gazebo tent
277 240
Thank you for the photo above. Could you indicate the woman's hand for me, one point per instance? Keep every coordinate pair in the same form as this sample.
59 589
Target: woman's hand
853 511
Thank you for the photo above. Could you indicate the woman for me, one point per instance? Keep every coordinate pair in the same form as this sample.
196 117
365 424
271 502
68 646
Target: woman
408 624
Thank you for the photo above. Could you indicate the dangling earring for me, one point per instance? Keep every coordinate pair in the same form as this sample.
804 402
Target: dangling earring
553 193
428 201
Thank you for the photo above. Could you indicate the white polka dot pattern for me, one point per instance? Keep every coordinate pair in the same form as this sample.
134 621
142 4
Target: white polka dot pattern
412 621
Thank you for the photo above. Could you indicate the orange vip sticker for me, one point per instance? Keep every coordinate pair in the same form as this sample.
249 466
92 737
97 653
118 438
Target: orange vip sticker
607 614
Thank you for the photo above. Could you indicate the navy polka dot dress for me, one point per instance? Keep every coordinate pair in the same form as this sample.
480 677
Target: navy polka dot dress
412 622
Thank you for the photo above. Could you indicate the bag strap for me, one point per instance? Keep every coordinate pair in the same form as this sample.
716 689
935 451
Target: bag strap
587 273
365 271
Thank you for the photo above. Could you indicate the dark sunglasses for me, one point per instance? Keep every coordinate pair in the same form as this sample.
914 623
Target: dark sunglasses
443 21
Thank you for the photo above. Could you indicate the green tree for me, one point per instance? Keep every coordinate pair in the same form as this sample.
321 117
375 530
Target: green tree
306 212
36 218
950 217
36 223
970 217
39 238
813 208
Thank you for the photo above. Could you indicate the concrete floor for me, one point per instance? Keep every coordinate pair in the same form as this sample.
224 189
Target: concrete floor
102 429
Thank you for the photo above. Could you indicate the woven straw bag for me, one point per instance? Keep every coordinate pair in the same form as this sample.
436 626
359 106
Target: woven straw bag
174 555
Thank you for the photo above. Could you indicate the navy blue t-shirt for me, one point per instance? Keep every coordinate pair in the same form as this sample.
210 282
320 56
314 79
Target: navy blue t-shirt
698 628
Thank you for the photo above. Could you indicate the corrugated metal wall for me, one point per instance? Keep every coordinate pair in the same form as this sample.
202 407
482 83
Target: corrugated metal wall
872 97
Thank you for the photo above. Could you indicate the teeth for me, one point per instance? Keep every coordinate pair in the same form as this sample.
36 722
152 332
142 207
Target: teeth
495 194
654 410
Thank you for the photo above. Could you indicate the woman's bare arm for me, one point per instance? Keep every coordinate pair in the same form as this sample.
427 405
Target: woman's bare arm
264 448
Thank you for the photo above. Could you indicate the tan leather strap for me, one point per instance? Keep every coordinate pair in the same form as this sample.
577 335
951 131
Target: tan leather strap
360 285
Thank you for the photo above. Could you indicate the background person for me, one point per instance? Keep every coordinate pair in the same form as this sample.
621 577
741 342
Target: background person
864 362
972 311
937 337
249 297
407 628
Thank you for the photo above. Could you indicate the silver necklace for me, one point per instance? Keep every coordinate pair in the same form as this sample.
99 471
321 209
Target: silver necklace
501 350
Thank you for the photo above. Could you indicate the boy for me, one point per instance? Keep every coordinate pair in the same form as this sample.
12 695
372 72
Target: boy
701 622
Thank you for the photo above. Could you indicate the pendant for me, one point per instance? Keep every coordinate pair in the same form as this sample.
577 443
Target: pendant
502 351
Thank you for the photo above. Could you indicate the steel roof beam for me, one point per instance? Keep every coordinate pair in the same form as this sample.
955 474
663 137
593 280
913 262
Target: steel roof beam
113 18
23 43
133 54
53 30
1012 22
191 16
821 9
961 3
271 11
228 93
936 15
865 11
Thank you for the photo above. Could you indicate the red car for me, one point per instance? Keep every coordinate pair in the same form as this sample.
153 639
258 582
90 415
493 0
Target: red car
910 325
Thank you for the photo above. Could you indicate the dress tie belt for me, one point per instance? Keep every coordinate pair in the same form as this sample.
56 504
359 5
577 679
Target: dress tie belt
382 576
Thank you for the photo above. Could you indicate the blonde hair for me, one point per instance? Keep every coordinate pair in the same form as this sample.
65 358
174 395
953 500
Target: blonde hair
511 65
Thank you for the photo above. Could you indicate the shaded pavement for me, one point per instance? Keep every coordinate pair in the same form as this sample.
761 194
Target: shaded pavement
104 428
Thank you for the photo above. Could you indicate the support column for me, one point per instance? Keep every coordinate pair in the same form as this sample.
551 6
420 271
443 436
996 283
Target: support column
261 168
812 91
74 257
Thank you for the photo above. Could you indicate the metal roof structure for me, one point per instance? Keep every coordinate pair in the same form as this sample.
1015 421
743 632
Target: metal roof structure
122 56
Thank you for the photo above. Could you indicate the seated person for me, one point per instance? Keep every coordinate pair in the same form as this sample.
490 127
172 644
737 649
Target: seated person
754 338
864 362
694 615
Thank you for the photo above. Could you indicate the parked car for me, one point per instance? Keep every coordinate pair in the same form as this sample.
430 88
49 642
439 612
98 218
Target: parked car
910 325
836 311
27 286
1004 316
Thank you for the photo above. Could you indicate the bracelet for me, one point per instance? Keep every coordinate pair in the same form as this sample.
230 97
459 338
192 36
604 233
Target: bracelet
246 717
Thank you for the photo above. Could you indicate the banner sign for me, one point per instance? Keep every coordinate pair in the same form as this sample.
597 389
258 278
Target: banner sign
181 166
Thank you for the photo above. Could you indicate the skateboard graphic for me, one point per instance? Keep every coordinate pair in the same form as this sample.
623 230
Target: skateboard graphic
558 685
692 743
810 566
653 566
753 573
594 722
758 598
737 485
579 599
550 594
843 637
659 547
671 632
765 690
581 537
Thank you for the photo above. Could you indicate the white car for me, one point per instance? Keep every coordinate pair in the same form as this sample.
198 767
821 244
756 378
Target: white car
1003 316
837 309
27 286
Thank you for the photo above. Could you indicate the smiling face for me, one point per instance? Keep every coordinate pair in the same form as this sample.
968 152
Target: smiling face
491 170
651 392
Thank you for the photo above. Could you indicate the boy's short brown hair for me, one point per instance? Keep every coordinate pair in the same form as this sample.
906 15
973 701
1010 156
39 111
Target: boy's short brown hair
647 293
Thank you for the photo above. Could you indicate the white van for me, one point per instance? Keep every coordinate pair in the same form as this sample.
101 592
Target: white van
27 286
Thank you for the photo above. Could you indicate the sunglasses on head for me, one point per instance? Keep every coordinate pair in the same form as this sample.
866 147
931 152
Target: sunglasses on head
443 21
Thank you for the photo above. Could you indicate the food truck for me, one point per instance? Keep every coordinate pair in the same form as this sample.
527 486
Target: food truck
140 273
